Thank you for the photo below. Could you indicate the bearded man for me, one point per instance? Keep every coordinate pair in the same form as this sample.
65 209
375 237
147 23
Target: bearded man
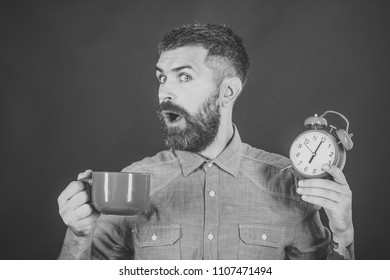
212 196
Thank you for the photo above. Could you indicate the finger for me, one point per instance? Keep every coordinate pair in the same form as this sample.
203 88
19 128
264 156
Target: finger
320 201
86 174
84 225
83 212
320 183
337 174
67 209
95 214
89 219
72 189
78 199
322 193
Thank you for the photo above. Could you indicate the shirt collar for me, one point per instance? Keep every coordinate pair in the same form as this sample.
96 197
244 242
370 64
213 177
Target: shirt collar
229 160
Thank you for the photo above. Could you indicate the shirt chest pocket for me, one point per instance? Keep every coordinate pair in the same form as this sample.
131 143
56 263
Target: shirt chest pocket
260 241
157 242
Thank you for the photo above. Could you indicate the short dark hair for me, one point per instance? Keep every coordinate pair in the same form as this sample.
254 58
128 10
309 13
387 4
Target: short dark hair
220 41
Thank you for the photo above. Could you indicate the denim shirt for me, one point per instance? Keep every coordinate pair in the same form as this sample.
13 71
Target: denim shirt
241 205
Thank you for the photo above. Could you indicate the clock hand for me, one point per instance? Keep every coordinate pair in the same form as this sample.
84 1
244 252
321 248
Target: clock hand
318 147
308 148
315 152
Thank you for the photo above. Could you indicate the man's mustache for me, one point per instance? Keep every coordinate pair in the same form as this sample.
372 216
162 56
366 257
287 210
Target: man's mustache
169 106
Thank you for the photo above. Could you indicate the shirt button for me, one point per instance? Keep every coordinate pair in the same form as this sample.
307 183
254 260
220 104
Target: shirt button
154 237
211 236
212 193
210 164
264 236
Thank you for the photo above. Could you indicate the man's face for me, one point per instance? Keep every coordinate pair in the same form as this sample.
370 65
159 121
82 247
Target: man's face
188 110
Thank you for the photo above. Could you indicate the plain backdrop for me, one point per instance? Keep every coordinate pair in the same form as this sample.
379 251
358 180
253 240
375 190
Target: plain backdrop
78 91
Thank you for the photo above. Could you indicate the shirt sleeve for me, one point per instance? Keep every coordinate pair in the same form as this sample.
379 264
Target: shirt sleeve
312 240
111 239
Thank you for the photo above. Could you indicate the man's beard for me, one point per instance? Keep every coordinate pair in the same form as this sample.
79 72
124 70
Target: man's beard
200 129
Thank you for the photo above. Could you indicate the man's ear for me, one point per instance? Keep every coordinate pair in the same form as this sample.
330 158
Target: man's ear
231 88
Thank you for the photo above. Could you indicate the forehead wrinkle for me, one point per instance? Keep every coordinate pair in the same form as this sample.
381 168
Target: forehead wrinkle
176 67
184 56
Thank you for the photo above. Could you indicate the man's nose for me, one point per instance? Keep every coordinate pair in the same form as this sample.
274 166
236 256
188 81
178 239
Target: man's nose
165 93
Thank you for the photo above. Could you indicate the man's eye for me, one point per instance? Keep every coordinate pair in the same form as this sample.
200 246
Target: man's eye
162 79
184 77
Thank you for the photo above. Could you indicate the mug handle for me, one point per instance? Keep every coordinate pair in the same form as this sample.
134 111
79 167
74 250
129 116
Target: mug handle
89 182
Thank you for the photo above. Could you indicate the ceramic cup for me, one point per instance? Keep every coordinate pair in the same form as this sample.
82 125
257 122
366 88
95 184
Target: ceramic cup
119 193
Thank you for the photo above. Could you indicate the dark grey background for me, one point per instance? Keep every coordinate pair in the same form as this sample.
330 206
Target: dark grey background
78 91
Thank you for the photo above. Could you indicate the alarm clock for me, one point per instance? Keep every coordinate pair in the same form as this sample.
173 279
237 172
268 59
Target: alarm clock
320 144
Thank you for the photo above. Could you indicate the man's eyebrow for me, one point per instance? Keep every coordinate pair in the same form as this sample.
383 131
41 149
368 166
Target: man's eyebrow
176 69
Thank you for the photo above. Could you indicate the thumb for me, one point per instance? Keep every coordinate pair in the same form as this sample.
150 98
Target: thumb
336 173
86 174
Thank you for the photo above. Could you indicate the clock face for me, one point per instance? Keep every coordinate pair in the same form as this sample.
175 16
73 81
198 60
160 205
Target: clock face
310 150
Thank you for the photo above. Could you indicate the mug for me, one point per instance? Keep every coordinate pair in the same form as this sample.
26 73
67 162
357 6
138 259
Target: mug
119 193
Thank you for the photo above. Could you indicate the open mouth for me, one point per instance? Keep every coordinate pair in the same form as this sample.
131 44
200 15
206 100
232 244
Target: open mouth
171 117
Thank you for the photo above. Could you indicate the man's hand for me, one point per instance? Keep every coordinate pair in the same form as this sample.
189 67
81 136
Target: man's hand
75 209
336 198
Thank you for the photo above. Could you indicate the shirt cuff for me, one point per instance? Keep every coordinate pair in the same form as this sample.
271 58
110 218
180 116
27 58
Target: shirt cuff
338 252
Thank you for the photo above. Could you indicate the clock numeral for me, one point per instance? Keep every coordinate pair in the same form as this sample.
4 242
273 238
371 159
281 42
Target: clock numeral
300 162
314 171
307 141
330 162
306 168
331 154
299 146
314 138
323 139
329 146
298 154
